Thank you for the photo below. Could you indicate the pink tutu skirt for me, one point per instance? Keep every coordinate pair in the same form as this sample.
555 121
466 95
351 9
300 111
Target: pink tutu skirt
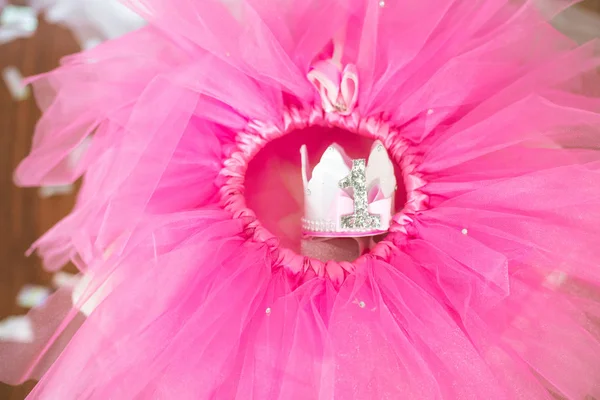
196 280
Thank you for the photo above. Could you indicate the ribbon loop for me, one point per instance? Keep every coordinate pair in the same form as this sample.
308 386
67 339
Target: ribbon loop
337 87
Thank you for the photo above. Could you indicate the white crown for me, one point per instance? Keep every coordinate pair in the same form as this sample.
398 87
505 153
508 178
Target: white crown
346 197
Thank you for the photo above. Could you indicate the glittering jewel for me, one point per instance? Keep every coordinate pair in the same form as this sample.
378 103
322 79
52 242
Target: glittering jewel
360 219
340 107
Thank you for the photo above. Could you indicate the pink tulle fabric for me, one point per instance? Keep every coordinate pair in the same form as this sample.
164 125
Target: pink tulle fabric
486 287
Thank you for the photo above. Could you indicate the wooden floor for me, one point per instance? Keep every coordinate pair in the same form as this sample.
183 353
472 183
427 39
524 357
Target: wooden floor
24 216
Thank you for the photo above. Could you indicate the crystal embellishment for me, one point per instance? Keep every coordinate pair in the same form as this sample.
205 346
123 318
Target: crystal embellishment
360 218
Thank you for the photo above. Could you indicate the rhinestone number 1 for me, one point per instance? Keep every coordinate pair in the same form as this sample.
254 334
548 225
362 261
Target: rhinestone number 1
360 219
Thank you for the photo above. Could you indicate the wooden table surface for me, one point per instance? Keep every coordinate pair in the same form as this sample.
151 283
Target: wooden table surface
24 216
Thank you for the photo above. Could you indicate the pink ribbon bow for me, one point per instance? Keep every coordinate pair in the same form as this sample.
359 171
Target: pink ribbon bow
338 87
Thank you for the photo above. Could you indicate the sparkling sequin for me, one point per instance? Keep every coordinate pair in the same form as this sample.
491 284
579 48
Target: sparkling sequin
308 192
268 310
382 3
360 219
361 304
464 231
430 111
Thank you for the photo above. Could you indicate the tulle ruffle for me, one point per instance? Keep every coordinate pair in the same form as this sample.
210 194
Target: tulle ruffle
487 292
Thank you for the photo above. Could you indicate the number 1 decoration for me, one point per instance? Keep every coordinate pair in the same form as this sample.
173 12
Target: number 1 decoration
361 219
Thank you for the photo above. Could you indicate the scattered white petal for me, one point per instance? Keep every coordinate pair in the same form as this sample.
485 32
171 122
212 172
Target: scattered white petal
17 22
14 82
63 279
90 43
61 190
31 296
93 20
16 329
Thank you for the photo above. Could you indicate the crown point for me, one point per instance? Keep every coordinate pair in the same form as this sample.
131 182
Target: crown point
342 204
